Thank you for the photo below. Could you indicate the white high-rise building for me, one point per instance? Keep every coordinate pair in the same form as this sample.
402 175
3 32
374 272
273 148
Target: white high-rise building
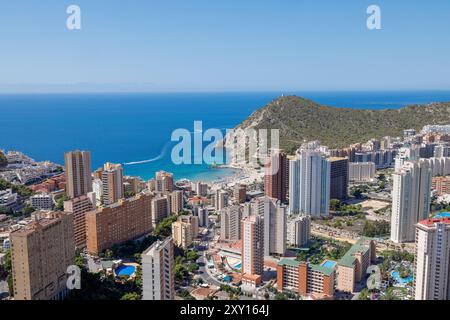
309 184
157 271
411 197
432 260
298 230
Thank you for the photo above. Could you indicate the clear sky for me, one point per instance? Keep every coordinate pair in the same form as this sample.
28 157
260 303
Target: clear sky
218 45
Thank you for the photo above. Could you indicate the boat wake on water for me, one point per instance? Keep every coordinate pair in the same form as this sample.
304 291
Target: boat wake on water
161 155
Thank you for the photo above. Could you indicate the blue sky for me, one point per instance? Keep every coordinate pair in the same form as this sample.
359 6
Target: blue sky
217 45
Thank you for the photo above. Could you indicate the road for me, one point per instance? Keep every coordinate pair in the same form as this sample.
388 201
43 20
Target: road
203 262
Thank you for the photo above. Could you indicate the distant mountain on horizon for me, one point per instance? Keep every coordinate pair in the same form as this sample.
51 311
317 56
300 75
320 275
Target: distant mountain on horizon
300 119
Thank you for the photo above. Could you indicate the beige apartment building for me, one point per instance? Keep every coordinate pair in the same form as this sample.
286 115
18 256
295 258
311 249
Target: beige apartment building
78 173
184 231
79 207
164 181
127 219
160 209
112 183
305 279
41 253
252 229
230 223
177 203
353 265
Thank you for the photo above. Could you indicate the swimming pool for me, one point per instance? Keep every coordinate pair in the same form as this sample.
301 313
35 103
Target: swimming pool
238 265
443 215
399 280
125 270
330 264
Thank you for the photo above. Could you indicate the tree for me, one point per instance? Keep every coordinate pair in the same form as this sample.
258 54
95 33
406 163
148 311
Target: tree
191 255
335 204
364 294
376 228
164 228
280 296
60 202
3 160
131 296
109 254
129 194
138 277
357 193
193 267
27 210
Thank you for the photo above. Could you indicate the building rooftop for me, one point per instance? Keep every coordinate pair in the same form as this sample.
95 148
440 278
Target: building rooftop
348 260
156 246
314 267
430 222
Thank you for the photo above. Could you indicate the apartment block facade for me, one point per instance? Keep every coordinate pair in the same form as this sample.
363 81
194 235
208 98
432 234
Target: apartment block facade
124 220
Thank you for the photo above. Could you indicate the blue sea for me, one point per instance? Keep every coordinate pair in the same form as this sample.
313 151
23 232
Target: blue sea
132 127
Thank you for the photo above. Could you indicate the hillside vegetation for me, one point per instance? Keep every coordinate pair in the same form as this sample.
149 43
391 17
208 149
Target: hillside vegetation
300 120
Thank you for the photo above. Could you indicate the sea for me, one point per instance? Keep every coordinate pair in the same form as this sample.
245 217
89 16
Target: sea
135 129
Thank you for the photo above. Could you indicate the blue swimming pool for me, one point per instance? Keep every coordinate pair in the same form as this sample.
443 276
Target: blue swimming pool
238 266
443 215
125 270
400 280
330 264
